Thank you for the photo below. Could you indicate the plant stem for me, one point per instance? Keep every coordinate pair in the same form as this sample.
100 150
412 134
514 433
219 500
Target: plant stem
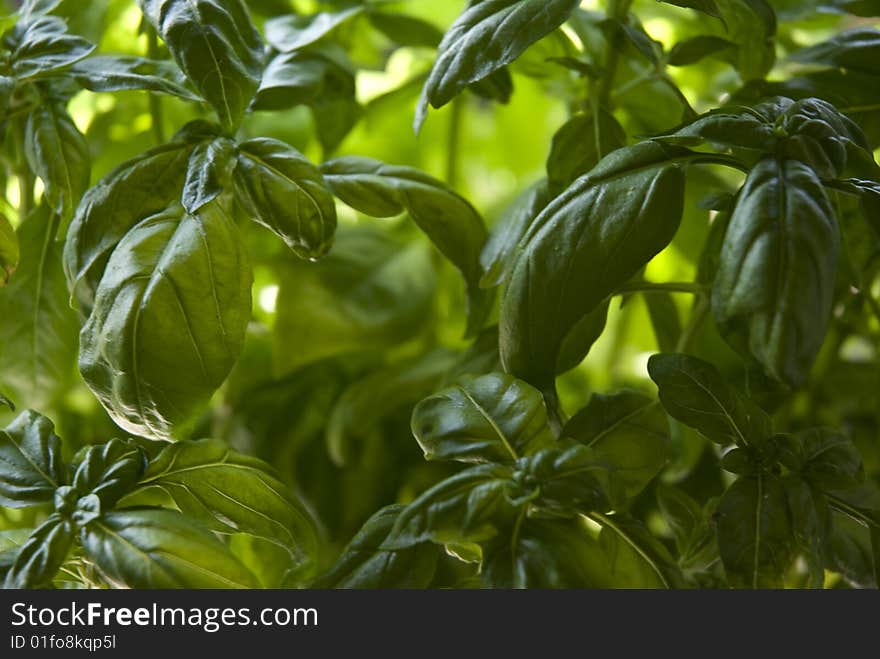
617 11
154 101
698 317
692 288
453 144
24 173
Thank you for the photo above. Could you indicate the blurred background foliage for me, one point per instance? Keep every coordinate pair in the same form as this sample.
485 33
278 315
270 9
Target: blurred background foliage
339 351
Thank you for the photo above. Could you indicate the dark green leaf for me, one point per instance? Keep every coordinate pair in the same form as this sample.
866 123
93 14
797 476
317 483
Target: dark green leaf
114 73
38 329
569 478
498 253
9 250
42 555
381 190
231 493
754 532
626 430
467 507
406 30
280 189
694 392
579 145
31 465
365 564
665 320
545 554
492 418
706 6
154 548
134 190
636 559
44 46
810 525
585 236
293 32
774 288
169 319
216 45
824 457
58 153
695 49
208 173
372 291
857 50
486 36
109 471
580 339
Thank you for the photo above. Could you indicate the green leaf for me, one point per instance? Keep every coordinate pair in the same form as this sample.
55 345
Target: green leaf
131 192
365 564
406 30
665 320
636 559
169 319
545 554
217 47
694 392
381 190
9 250
8 403
31 465
372 291
706 6
580 339
498 253
42 555
485 37
695 49
695 539
43 46
627 430
491 418
751 24
824 457
58 153
468 507
579 145
569 478
775 284
810 524
584 235
38 329
208 173
856 50
280 189
293 32
115 73
109 471
154 548
852 554
232 493
754 532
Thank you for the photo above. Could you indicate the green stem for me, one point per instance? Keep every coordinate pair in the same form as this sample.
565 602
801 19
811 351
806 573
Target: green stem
453 144
692 288
24 173
154 101
852 512
617 11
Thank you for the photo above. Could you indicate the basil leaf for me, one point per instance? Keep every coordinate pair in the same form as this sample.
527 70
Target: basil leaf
44 46
465 508
31 465
774 288
754 532
293 32
810 524
208 173
824 457
115 73
492 418
695 49
488 35
579 145
58 153
9 250
706 6
365 564
627 430
406 30
169 319
154 548
694 392
42 555
856 50
635 558
38 329
134 190
217 47
232 493
280 189
372 291
584 235
108 471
